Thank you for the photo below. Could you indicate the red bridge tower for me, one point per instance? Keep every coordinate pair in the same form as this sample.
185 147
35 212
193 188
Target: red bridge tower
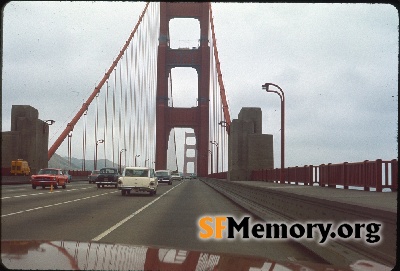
197 117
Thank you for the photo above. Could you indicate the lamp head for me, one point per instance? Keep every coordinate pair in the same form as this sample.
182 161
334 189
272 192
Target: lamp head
50 122
266 86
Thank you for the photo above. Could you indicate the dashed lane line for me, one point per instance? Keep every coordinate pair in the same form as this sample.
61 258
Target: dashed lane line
44 193
56 204
105 233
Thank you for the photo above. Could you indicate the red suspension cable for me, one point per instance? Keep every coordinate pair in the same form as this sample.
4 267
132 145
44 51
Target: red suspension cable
221 83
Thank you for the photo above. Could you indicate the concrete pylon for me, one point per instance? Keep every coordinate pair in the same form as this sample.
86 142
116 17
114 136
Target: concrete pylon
27 140
249 149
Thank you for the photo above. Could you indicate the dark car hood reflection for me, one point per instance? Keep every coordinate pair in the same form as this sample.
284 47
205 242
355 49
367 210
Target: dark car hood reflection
71 255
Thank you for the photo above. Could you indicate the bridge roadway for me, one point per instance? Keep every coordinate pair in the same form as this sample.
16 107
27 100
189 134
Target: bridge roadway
313 204
83 212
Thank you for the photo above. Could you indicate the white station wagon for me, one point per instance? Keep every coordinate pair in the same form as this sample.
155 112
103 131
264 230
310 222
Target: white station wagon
138 179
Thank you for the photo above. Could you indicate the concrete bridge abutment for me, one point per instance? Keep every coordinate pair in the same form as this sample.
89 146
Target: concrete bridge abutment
249 149
27 140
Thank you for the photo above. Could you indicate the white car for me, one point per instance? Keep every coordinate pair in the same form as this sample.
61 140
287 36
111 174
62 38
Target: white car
138 179
176 176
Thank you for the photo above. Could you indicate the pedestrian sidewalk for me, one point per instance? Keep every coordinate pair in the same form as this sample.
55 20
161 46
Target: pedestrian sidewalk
377 200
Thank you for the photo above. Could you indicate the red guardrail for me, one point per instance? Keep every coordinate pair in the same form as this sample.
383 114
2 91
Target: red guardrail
376 174
6 171
79 173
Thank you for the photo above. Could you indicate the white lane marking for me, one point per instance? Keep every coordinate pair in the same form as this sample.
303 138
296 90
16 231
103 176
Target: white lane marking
56 204
13 190
286 187
105 233
43 193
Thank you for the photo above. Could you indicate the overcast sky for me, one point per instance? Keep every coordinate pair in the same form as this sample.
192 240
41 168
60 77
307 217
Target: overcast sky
336 63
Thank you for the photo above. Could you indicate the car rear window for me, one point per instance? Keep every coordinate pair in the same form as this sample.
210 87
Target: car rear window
136 173
162 173
108 170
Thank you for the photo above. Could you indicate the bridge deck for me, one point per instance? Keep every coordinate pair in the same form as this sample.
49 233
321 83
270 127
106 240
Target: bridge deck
377 200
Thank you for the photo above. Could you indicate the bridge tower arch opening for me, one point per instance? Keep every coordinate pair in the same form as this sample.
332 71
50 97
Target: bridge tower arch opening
196 117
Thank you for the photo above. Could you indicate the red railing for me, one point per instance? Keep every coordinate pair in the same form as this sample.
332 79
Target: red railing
6 171
376 174
79 173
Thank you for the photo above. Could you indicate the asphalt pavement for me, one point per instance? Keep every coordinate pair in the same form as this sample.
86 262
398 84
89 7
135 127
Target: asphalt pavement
11 180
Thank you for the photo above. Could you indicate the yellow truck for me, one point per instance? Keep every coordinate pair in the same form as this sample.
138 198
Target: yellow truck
20 167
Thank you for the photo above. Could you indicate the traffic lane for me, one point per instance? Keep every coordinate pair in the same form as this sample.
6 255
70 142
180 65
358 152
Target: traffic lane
26 199
79 219
35 198
14 189
64 220
172 222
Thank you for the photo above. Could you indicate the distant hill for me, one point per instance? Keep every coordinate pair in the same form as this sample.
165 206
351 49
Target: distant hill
56 161
77 164
89 164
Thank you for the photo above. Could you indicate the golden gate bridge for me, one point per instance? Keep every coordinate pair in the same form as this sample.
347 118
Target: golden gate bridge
131 110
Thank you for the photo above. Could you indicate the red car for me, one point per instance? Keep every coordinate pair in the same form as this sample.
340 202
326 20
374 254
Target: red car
48 177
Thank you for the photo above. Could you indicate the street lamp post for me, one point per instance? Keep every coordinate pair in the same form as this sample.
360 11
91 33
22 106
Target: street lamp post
223 124
216 144
120 160
69 148
211 161
48 122
136 156
95 160
282 97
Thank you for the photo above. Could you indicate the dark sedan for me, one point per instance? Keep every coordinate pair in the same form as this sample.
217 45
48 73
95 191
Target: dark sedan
93 176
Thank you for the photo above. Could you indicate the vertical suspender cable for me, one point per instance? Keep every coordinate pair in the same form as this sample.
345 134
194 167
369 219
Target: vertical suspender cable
84 141
73 122
131 148
140 107
113 121
105 125
126 104
139 112
222 139
120 111
135 109
96 127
